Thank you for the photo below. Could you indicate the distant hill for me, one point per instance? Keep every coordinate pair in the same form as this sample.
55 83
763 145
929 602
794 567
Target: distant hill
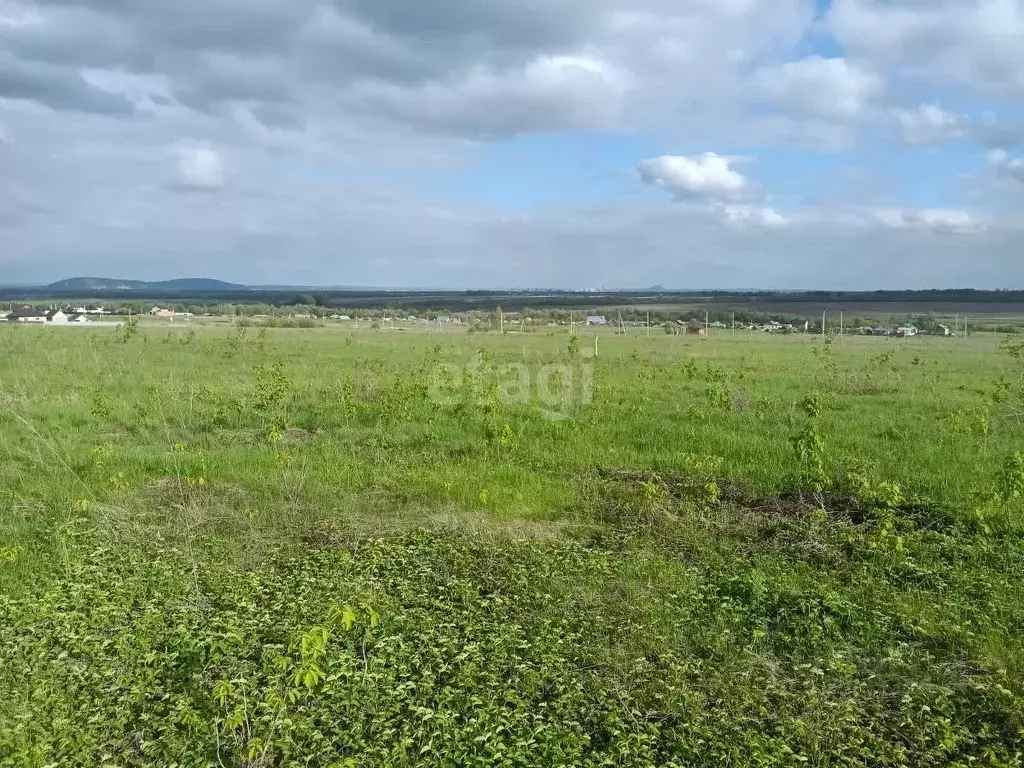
181 285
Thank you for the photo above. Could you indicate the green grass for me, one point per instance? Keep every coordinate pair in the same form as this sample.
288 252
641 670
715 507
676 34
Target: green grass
280 547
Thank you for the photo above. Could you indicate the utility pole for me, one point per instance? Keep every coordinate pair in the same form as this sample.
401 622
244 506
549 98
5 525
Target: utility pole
823 323
734 321
501 319
648 323
707 322
840 323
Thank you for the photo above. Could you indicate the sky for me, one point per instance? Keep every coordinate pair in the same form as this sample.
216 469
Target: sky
770 144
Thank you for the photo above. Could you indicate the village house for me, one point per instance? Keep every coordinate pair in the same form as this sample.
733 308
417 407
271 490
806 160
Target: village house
56 316
597 320
160 312
26 315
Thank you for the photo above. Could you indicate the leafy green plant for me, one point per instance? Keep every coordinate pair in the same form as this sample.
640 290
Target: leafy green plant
809 445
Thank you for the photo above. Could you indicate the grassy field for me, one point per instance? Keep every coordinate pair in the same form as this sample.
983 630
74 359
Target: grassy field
338 547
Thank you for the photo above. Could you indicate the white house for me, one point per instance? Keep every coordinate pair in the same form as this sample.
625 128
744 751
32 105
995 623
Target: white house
26 315
78 319
161 312
597 320
906 330
56 316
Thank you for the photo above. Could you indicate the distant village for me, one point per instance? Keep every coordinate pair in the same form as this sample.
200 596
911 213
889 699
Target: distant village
76 315
27 314
499 320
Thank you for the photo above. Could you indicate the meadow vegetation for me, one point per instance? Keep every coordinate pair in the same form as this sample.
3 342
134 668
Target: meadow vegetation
262 546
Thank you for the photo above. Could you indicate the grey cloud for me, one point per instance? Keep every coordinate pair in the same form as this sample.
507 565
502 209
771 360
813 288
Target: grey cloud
17 208
240 25
57 87
977 44
211 79
529 24
77 37
351 57
556 93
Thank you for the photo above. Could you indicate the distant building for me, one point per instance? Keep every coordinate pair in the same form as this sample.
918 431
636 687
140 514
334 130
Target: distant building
906 330
26 315
56 316
596 320
160 312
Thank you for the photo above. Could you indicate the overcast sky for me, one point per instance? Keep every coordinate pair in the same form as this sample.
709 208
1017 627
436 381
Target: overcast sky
500 143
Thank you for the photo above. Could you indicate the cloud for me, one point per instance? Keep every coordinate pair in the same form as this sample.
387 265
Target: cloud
708 175
746 214
816 87
975 43
200 168
548 93
936 220
383 141
460 66
929 125
1008 168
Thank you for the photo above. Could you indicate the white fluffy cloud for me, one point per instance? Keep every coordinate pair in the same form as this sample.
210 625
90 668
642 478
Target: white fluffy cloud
200 168
930 125
709 175
830 89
